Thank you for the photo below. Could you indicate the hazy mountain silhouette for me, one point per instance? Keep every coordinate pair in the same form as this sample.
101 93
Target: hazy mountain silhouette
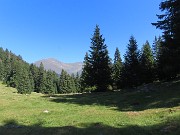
57 66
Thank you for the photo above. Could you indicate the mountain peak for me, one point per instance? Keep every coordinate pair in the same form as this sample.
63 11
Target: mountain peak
57 66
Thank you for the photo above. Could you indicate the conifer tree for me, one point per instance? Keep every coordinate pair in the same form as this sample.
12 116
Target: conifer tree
34 75
116 70
1 70
1 64
24 83
31 79
50 89
169 22
85 78
7 69
77 82
63 82
41 86
67 83
131 65
55 79
156 47
99 63
71 85
157 54
12 80
147 64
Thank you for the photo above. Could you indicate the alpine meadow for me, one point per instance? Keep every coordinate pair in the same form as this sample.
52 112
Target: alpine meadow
133 93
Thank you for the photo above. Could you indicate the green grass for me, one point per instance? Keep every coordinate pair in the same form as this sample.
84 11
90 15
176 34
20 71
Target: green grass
156 111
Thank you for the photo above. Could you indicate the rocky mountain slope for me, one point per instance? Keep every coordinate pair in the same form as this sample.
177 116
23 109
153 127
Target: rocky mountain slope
57 66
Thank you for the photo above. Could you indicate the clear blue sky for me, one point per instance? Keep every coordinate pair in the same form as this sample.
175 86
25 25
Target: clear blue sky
62 29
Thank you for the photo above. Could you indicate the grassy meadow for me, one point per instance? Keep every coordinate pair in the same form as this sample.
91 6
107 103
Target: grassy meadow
153 109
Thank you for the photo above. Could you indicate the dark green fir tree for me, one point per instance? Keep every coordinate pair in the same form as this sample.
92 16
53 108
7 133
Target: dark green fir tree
1 70
24 83
50 88
131 65
77 82
63 82
34 71
156 48
147 64
99 62
41 83
116 70
169 22
85 79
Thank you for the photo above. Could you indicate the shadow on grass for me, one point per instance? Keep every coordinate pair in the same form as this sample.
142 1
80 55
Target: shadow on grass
155 95
12 127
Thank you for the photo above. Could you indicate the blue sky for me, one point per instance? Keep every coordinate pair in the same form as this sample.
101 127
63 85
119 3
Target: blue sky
62 29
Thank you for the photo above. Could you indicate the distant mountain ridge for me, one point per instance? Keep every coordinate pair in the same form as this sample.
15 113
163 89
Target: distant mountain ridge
57 66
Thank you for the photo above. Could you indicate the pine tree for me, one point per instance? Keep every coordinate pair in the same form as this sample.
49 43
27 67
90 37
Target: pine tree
157 54
63 82
41 86
55 78
77 82
117 66
99 62
156 47
12 80
1 64
85 78
147 64
131 65
24 83
50 89
71 85
1 70
34 71
169 22
7 69
31 79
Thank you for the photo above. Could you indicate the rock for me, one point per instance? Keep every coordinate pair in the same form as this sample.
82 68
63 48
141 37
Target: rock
45 111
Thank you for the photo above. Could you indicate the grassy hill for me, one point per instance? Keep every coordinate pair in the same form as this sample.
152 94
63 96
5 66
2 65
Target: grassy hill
148 110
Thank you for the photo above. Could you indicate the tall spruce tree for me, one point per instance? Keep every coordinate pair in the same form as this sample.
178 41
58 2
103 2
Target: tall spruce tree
55 79
34 75
85 78
1 70
156 47
66 83
1 64
99 63
7 70
131 65
147 64
24 83
116 69
41 86
157 54
169 22
62 83
77 82
31 79
50 87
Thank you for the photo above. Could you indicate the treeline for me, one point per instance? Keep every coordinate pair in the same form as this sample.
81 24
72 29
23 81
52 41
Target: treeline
29 78
100 73
161 62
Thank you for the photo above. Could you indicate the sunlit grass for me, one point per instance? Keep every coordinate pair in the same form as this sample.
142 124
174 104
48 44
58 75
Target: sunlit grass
155 112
